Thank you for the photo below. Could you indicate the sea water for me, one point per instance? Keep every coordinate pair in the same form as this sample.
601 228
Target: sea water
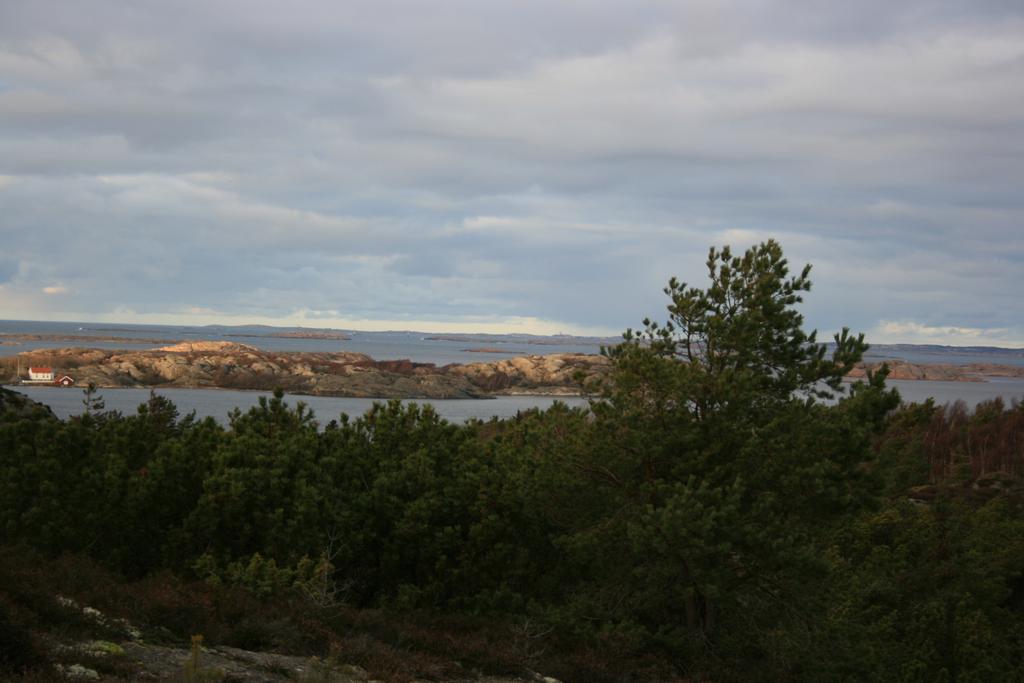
218 403
417 347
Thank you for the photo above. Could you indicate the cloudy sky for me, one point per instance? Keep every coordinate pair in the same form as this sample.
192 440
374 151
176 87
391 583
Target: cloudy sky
537 166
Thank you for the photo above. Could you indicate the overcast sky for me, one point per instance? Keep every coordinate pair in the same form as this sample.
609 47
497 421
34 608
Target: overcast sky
532 166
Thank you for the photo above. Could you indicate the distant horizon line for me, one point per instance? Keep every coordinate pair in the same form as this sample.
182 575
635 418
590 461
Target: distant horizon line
607 336
299 326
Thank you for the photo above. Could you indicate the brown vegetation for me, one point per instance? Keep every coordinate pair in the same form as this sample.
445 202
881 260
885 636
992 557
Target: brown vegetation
979 452
38 613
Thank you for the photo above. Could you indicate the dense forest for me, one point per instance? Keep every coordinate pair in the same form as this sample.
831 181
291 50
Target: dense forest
726 509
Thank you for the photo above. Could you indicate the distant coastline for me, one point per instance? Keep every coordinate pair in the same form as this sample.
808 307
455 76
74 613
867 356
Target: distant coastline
939 372
230 365
330 362
299 334
18 338
551 340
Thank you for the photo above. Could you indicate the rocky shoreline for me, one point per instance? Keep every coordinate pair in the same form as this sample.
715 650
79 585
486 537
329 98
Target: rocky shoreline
940 372
230 365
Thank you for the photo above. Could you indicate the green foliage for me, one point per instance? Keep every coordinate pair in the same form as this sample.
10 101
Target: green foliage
930 593
92 401
263 578
724 509
262 494
741 340
711 473
18 651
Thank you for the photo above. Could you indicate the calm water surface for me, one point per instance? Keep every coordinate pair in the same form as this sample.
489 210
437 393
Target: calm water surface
971 393
217 403
414 346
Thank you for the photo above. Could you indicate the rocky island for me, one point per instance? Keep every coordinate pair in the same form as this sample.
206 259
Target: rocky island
230 365
16 338
941 372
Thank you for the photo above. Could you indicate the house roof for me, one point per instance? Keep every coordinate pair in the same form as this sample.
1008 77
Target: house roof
40 369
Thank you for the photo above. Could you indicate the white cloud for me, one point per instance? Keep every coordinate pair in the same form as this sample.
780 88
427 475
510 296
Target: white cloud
198 315
501 162
911 332
45 58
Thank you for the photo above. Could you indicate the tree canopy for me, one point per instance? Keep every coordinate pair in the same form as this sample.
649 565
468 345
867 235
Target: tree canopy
717 468
741 336
726 508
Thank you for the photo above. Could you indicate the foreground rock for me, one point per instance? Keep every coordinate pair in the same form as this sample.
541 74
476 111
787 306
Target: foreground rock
228 663
136 660
156 662
231 365
132 658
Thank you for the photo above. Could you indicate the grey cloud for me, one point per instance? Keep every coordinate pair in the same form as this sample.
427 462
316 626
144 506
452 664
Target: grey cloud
558 160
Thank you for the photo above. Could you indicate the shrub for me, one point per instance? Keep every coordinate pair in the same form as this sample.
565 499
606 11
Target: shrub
18 650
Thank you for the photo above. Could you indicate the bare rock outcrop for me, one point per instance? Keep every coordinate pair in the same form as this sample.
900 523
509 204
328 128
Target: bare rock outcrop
131 657
234 664
240 366
559 373
230 365
207 346
941 372
155 662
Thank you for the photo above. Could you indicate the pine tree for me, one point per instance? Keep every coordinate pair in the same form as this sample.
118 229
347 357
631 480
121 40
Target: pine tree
713 466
